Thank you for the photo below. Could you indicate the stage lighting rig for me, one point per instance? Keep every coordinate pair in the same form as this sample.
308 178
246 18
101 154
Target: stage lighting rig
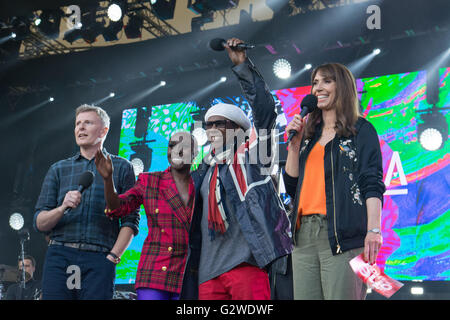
201 6
134 26
142 156
280 8
16 221
91 28
110 32
20 28
114 12
50 21
432 130
206 9
198 22
163 9
302 4
282 68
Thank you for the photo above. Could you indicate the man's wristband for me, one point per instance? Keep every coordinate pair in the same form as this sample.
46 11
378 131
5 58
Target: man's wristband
116 258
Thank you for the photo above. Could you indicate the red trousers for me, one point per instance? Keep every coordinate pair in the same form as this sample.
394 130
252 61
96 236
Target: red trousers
244 282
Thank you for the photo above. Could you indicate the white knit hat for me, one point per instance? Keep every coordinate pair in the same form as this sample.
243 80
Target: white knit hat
231 112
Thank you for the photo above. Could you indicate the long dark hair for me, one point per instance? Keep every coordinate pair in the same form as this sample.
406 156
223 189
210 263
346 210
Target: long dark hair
345 102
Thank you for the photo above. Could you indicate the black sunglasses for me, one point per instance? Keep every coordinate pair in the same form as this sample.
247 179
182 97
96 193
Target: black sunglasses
218 123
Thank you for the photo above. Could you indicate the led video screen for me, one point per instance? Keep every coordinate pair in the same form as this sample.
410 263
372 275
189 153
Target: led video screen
415 217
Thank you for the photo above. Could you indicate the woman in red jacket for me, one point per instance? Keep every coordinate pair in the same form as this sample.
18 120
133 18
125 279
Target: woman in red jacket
168 198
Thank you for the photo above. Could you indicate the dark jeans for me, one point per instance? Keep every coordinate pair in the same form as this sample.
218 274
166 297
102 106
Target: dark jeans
72 274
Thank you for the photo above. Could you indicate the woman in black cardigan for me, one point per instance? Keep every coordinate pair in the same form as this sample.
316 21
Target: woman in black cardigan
334 172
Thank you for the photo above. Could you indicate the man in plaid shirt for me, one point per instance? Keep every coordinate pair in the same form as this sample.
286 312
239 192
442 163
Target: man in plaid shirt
84 245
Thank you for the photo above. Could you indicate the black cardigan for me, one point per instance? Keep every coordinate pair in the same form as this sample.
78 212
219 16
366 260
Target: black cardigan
353 173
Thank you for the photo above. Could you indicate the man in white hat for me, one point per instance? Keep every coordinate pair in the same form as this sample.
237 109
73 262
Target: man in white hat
239 226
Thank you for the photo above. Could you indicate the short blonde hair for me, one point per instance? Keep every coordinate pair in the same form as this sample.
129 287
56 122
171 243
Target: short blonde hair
99 111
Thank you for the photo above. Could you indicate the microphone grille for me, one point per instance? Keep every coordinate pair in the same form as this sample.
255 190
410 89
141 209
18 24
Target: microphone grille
309 101
217 44
86 179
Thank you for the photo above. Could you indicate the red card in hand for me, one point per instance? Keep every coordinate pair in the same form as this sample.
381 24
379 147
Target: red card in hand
374 278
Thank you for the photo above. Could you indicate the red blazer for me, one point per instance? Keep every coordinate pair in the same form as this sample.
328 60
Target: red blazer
163 255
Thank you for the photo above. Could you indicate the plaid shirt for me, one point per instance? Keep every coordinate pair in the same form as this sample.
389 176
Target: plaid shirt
86 223
163 255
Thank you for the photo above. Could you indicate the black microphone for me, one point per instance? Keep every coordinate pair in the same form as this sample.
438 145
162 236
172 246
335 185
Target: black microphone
218 44
84 182
308 105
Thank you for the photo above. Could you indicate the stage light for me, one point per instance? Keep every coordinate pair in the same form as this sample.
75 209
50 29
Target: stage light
91 28
432 130
308 66
162 83
50 22
417 290
114 12
431 139
111 31
51 99
201 6
112 94
72 35
223 79
13 35
282 68
376 51
198 22
143 153
163 9
133 28
302 4
37 21
138 166
280 8
200 136
16 221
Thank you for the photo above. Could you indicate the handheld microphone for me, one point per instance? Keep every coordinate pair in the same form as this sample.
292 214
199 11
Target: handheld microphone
308 105
219 44
85 182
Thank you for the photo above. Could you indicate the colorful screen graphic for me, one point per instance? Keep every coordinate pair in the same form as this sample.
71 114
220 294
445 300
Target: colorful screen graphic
415 217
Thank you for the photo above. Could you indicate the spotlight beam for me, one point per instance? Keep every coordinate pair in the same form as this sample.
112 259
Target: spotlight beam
146 92
204 91
437 62
358 66
18 116
297 74
7 38
109 96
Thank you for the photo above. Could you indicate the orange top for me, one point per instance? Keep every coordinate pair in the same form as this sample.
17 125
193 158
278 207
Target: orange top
312 195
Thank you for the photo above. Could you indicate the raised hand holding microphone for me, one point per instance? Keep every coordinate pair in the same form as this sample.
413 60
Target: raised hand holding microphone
219 44
237 54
